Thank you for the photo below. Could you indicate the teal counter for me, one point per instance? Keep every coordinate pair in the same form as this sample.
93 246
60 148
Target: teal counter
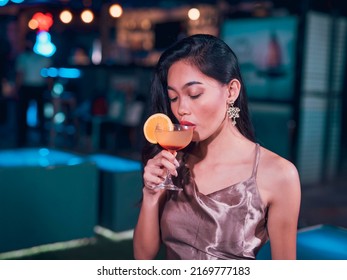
321 242
46 196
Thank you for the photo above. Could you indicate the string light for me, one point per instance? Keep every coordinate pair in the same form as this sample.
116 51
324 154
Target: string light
115 10
194 14
87 16
65 16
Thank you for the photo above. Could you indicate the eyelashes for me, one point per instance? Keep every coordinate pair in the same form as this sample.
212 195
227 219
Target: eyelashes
173 99
196 96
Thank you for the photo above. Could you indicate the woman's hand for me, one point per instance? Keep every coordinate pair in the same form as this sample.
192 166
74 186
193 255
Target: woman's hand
156 169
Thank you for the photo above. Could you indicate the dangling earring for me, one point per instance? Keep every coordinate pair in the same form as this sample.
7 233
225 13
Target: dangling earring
233 112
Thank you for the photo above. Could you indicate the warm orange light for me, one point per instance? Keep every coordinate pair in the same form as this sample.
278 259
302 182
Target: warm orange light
115 10
194 14
33 24
87 16
65 16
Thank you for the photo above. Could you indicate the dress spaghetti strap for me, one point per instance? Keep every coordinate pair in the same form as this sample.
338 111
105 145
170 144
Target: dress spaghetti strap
256 162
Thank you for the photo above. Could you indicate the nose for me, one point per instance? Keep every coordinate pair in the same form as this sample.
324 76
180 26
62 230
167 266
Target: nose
183 108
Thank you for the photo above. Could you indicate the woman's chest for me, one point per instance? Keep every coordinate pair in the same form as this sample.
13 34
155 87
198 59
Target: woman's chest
214 178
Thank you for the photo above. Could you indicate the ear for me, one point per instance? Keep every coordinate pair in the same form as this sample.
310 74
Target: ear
234 88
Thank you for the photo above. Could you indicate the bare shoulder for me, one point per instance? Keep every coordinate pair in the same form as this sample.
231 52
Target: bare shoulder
277 176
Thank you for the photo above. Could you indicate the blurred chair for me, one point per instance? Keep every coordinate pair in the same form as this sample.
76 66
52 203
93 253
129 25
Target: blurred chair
120 183
125 129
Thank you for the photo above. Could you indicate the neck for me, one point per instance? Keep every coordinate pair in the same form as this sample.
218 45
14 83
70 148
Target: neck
227 139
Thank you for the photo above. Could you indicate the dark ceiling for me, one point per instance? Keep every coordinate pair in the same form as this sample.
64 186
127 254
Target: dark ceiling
292 6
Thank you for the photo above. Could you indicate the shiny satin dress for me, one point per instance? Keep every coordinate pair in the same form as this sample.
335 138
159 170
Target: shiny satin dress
227 224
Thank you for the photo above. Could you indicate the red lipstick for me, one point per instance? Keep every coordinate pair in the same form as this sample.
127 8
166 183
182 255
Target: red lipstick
187 123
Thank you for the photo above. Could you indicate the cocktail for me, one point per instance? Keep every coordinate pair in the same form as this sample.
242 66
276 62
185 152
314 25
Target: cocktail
172 138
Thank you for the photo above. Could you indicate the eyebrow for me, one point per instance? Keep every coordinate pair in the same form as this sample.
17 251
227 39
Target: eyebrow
186 85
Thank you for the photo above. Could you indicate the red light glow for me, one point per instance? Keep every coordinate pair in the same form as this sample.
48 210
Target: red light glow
45 21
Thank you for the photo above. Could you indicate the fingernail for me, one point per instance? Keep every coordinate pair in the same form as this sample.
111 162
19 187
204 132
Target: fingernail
176 163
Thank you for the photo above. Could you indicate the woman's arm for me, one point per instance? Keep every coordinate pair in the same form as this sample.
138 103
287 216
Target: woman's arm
284 211
147 231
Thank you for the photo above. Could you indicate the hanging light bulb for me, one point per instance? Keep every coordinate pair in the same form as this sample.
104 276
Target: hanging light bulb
194 14
87 16
115 10
65 16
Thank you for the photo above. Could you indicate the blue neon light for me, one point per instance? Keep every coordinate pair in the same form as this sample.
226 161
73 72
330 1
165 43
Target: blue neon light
69 73
37 157
43 45
3 2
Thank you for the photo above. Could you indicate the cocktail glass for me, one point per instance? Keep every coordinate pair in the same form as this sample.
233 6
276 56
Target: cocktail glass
173 139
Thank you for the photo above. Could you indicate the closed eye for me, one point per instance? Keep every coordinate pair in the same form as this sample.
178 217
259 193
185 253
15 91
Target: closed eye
173 99
195 96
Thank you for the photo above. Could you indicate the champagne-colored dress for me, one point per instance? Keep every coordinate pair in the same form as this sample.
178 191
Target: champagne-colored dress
226 224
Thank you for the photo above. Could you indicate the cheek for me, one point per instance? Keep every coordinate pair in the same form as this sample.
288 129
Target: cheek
213 109
210 116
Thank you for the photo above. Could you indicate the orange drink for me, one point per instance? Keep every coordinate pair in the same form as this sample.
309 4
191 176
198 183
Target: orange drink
175 139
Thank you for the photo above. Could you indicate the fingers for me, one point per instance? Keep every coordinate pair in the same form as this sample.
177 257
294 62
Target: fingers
156 168
163 160
169 156
153 177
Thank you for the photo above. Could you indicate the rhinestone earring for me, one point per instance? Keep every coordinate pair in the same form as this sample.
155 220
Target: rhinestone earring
233 112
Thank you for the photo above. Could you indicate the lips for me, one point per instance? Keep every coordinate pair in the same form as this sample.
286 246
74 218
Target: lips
187 123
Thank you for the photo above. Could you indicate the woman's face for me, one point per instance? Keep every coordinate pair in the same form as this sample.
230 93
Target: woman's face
197 99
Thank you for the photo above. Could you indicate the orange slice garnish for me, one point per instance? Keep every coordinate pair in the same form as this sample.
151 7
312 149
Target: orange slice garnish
151 123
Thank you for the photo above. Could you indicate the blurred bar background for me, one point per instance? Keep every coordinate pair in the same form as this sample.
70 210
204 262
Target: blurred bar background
94 94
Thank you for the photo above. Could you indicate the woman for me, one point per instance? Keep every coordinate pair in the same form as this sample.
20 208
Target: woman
235 194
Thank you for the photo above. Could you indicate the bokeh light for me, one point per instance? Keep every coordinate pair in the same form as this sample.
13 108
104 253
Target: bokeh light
45 21
194 14
115 10
65 16
87 16
33 24
3 2
43 45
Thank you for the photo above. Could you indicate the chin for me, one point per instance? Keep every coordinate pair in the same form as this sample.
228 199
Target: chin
196 137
